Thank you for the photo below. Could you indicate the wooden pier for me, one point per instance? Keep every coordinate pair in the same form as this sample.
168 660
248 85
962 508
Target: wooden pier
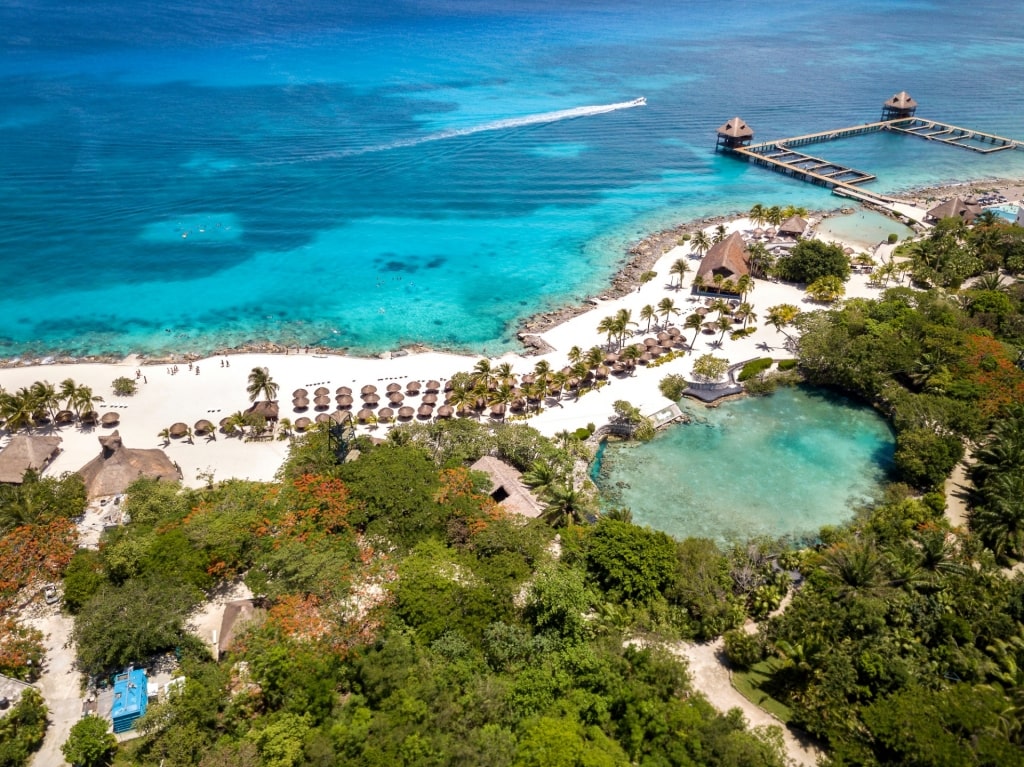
898 117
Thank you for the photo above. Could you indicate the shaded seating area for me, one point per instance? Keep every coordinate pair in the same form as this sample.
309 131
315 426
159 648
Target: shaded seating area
25 452
118 466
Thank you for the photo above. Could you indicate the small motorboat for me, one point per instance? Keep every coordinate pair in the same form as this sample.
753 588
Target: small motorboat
640 102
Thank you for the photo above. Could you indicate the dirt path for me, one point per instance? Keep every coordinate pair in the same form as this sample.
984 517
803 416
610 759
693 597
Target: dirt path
60 685
711 677
957 487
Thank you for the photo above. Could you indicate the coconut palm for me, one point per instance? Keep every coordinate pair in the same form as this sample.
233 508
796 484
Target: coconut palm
630 355
757 214
989 281
83 399
542 370
999 520
699 283
284 429
724 323
557 383
856 568
719 235
782 315
746 311
502 395
575 354
44 397
667 308
761 261
700 243
580 371
623 321
793 210
744 285
165 435
541 477
679 269
774 215
608 327
261 385
67 391
648 313
695 323
17 409
594 357
566 506
236 422
483 376
462 398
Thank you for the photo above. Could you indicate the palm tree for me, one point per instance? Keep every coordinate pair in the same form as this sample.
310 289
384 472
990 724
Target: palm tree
745 285
284 428
566 506
746 311
44 396
793 210
535 393
67 392
667 308
580 371
774 215
483 375
630 355
261 384
645 277
17 409
504 374
236 422
724 323
782 315
700 243
503 395
761 260
989 281
541 477
542 370
558 382
987 218
575 354
679 269
694 322
857 568
608 327
999 520
699 283
757 214
83 399
719 234
594 357
462 398
648 313
620 514
623 320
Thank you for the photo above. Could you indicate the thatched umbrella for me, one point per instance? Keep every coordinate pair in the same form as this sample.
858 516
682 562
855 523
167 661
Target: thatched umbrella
602 371
343 390
178 430
645 358
518 404
91 417
299 393
368 389
425 411
323 418
429 398
710 328
385 414
224 422
654 351
301 424
110 419
405 413
701 310
663 336
665 349
321 391
202 426
611 358
528 378
339 418
497 411
433 386
619 367
393 387
413 387
64 417
566 370
445 411
322 402
344 401
371 398
674 331
649 342
396 397
300 403
448 385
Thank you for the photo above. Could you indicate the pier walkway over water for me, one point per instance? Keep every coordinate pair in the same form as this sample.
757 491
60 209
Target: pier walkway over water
898 116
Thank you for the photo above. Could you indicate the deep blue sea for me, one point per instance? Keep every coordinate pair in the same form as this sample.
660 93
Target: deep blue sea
181 176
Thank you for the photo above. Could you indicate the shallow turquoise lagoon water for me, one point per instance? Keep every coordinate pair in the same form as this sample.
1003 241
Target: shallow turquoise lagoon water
865 227
783 465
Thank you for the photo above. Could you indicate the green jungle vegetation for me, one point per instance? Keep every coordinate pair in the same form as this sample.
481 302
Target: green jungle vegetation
409 621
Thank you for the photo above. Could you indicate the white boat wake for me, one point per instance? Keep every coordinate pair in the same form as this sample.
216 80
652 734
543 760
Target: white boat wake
496 125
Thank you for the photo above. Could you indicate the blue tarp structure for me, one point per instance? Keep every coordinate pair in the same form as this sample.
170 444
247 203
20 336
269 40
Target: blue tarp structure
130 698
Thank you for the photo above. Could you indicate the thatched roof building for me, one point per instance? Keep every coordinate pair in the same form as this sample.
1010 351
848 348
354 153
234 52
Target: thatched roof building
26 452
236 615
268 410
507 487
794 226
967 210
117 466
734 133
899 106
728 258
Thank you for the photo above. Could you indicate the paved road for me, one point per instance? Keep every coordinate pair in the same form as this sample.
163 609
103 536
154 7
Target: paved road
60 685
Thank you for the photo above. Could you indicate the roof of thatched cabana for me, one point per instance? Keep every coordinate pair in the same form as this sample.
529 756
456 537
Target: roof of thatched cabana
736 128
385 414
303 423
109 419
24 452
507 487
794 225
203 426
901 100
118 466
728 258
266 409
968 210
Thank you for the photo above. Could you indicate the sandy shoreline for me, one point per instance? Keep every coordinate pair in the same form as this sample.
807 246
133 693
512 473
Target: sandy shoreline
215 386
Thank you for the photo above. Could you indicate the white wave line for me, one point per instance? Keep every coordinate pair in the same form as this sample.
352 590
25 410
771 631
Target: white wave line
506 124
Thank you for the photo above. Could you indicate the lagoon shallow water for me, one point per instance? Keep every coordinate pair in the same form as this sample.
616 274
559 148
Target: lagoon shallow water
783 465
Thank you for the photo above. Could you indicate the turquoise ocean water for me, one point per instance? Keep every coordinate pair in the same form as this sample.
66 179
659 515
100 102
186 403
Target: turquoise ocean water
182 176
780 465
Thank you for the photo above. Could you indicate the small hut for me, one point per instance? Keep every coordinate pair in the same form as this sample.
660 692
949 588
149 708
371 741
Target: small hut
117 466
734 134
793 227
266 409
966 210
507 487
25 452
899 107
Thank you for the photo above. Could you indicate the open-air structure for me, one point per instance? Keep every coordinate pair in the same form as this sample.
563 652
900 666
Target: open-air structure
727 260
507 487
965 210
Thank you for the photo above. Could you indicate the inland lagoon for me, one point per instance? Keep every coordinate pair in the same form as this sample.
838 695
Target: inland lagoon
782 465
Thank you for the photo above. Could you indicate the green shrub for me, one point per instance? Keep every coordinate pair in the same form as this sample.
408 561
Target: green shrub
892 238
759 387
685 238
742 649
581 433
754 368
124 386
22 729
672 386
787 364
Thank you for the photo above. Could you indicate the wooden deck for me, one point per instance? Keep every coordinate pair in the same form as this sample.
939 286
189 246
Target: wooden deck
843 180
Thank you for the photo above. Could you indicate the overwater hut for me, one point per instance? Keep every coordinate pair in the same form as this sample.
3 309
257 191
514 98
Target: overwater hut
26 452
727 259
118 466
899 106
966 210
735 133
507 487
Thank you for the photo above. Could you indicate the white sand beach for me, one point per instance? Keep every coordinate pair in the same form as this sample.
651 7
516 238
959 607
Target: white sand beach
215 387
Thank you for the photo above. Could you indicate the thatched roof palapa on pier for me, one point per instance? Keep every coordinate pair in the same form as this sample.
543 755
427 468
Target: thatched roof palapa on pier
736 128
26 452
117 466
902 100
